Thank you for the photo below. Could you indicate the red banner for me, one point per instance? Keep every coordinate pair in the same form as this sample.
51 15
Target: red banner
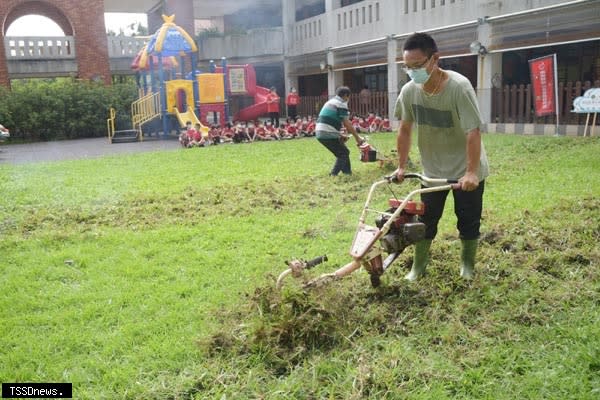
543 81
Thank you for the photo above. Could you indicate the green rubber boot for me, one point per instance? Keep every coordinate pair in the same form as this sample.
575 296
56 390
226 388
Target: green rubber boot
420 260
467 258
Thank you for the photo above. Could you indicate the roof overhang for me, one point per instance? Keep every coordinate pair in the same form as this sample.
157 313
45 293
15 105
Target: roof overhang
203 9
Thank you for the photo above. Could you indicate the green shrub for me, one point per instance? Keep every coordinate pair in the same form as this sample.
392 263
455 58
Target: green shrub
61 108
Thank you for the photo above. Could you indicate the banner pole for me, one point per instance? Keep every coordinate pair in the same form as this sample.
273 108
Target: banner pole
556 92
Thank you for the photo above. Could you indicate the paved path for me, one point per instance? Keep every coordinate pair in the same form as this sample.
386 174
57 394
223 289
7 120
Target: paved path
77 149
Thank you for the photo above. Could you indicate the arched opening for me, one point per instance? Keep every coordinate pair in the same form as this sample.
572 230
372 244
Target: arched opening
34 25
38 10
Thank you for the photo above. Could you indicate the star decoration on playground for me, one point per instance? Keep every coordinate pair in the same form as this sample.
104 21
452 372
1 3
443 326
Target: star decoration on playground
171 40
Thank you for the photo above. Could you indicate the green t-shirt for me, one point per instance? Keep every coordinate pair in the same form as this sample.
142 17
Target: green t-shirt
443 121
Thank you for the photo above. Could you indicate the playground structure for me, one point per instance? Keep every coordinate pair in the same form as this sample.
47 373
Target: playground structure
169 98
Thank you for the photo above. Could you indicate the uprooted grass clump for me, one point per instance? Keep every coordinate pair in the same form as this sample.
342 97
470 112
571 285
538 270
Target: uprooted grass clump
527 271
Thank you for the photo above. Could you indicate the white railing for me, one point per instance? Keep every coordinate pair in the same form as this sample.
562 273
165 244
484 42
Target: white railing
125 46
365 19
255 42
63 47
35 47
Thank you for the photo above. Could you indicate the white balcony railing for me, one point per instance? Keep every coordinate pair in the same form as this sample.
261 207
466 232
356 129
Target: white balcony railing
63 47
35 48
125 46
255 43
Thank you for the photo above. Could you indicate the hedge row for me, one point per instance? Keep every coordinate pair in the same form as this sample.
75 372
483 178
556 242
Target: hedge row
40 110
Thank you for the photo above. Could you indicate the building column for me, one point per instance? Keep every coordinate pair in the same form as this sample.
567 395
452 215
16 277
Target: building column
392 74
330 24
184 14
288 12
335 79
488 66
91 45
331 4
4 81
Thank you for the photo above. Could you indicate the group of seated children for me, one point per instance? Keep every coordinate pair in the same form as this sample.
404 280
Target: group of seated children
240 132
192 136
372 123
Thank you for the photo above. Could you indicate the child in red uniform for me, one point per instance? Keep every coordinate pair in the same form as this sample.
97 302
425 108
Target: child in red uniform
290 131
292 102
185 137
363 125
251 131
197 138
227 133
370 118
273 107
214 134
386 125
261 132
310 126
239 133
272 131
375 124
354 120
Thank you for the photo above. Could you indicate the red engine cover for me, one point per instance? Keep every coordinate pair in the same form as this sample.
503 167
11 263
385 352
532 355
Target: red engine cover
412 207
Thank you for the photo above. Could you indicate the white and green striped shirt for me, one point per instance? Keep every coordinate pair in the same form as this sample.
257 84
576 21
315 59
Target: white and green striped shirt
329 123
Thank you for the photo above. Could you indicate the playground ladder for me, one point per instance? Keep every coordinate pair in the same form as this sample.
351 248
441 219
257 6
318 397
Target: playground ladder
143 110
110 124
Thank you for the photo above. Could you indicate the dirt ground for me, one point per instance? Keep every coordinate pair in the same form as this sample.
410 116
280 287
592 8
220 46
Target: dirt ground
77 149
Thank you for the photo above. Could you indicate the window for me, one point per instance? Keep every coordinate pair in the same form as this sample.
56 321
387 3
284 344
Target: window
349 2
310 10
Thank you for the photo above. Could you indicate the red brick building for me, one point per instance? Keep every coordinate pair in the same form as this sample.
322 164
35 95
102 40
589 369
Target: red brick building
83 19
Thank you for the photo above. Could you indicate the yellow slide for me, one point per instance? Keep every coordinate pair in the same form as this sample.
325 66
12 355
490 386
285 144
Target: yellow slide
190 115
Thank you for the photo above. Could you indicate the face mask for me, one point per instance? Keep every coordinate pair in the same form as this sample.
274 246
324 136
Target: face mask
419 75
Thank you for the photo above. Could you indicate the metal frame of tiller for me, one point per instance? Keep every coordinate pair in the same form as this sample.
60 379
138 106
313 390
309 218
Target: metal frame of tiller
366 250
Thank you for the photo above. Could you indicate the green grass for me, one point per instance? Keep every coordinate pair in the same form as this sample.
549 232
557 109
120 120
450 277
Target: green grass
151 276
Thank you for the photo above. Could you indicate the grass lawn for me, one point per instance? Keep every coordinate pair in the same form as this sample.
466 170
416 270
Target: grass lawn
151 276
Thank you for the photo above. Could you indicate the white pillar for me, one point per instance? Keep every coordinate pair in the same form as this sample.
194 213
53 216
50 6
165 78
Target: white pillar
334 78
488 66
331 5
288 8
392 73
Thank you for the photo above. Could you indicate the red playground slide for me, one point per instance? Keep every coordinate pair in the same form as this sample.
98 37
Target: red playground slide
247 88
258 109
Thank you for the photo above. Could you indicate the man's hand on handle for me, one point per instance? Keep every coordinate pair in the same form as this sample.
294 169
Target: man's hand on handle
469 182
399 175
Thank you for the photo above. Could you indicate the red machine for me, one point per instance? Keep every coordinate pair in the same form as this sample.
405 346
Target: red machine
395 229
